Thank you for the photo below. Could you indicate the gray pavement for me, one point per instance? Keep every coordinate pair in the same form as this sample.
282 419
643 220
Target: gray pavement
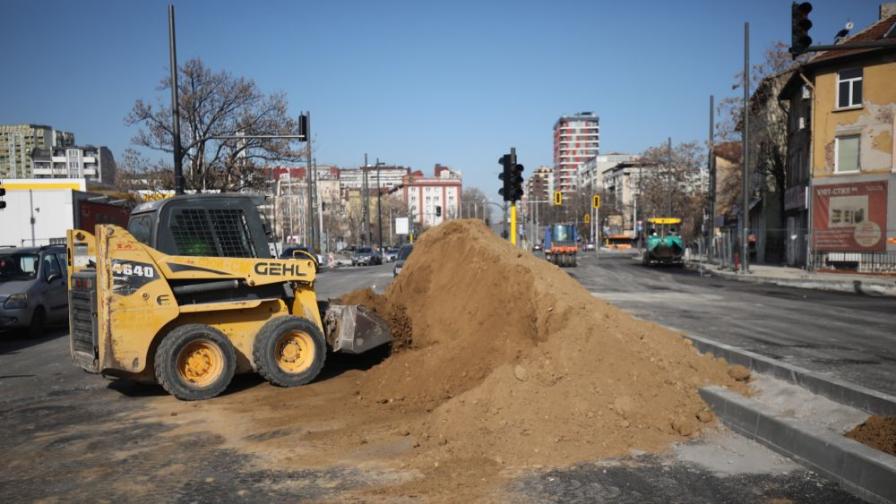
848 336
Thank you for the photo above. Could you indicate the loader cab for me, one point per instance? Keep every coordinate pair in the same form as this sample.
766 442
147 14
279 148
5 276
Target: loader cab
208 225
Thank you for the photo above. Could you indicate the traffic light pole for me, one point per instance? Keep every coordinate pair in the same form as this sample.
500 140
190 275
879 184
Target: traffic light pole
513 228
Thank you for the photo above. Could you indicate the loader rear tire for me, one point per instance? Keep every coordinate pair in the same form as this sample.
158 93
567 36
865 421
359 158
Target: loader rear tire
289 351
195 362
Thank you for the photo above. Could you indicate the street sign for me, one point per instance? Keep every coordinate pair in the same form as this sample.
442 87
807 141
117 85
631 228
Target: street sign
587 218
595 201
401 225
558 198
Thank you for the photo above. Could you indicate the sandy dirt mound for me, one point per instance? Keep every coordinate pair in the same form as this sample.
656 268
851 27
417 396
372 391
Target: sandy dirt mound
515 362
877 432
393 313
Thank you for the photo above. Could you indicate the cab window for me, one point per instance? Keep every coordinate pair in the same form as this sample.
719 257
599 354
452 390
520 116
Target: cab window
140 226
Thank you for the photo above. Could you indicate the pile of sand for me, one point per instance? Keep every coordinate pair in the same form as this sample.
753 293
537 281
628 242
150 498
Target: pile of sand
514 361
877 432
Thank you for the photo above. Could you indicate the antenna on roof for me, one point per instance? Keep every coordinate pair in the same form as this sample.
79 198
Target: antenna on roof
842 34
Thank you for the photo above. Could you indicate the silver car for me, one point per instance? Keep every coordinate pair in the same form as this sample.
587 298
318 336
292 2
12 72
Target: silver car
33 288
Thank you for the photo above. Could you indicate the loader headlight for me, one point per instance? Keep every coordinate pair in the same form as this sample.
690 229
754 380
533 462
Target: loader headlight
16 301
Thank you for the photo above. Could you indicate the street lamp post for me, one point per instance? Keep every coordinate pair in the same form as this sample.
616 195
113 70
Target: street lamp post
379 206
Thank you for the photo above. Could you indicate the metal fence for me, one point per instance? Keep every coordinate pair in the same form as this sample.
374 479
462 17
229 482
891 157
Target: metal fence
785 247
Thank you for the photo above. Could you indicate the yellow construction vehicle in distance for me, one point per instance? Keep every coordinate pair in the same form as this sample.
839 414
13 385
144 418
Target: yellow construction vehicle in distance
188 296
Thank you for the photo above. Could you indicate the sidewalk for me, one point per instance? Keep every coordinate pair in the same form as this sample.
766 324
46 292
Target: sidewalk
873 285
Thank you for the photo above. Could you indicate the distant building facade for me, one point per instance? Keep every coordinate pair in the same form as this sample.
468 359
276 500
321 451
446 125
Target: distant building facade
96 164
576 140
433 200
390 176
18 141
591 173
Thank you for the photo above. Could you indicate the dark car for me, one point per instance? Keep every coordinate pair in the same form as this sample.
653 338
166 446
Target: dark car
366 256
403 254
300 252
33 288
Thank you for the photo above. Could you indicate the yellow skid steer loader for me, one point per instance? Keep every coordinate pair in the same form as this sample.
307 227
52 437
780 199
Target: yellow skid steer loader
188 296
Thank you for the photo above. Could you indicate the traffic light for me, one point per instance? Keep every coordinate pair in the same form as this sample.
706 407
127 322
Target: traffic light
304 126
516 182
558 198
438 211
511 177
2 194
799 28
506 177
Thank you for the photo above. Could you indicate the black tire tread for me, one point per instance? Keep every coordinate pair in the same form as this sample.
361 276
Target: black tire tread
269 370
166 351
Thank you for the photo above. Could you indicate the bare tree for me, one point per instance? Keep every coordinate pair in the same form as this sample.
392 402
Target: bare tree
474 203
676 186
216 104
768 129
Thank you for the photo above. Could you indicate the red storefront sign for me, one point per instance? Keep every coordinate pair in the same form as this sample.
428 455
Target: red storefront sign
850 217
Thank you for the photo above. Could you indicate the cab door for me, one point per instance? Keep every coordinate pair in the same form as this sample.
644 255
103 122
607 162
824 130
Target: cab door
55 291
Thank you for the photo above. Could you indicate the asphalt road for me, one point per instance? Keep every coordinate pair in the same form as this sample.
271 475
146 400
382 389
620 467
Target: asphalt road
850 336
74 437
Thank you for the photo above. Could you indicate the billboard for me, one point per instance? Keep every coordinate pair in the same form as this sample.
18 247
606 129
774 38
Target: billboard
850 217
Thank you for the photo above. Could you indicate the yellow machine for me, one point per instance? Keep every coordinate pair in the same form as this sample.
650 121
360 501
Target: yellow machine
188 296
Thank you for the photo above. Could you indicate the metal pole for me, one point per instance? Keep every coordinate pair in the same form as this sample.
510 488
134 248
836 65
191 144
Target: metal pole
711 167
669 174
320 243
365 204
175 106
379 208
745 222
309 181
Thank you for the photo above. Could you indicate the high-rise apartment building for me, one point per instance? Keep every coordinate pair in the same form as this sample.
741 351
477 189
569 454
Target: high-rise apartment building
576 140
18 141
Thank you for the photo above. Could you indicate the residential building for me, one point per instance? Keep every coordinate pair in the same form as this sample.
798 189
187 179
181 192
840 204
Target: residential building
591 174
728 156
576 140
433 200
96 164
767 166
621 186
539 186
18 141
390 176
842 153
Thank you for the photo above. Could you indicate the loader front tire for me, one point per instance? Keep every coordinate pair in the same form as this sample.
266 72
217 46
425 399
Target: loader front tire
289 351
195 362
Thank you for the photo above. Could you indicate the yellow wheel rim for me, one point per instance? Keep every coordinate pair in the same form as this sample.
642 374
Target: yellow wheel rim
200 363
295 352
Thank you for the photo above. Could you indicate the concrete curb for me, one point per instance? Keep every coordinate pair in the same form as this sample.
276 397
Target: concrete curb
850 394
873 288
864 471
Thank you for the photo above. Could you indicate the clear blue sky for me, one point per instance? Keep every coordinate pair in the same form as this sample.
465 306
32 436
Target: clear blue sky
410 82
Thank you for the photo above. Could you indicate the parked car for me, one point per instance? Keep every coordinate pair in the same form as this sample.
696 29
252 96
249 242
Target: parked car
33 288
537 247
301 251
589 246
403 254
390 254
366 256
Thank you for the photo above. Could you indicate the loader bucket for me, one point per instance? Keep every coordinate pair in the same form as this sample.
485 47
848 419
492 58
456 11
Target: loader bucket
354 329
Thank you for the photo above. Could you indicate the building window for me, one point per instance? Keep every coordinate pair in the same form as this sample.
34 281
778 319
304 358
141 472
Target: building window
849 88
846 154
